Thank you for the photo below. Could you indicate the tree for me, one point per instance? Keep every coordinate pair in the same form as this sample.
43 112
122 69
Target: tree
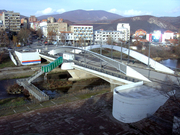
39 33
4 39
51 35
15 40
110 40
81 41
63 37
23 35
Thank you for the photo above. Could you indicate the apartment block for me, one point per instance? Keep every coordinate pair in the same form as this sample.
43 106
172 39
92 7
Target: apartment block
82 32
25 23
125 28
32 18
57 27
11 21
101 36
51 20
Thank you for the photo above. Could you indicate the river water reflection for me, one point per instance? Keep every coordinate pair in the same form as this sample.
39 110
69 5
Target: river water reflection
171 63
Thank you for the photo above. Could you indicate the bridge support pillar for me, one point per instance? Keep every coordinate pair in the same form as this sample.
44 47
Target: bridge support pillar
45 76
113 86
79 74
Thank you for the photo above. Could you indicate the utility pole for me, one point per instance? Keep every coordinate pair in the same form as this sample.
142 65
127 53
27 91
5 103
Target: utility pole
149 60
121 51
128 50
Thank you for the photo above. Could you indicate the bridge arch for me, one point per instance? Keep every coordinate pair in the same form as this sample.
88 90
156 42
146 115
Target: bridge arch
113 63
138 56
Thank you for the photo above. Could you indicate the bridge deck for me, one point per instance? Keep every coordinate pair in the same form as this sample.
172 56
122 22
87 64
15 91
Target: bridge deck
38 94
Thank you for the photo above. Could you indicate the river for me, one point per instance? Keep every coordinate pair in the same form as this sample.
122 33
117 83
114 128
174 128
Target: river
3 86
171 63
77 85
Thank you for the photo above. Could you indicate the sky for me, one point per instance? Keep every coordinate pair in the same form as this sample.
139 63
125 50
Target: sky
121 7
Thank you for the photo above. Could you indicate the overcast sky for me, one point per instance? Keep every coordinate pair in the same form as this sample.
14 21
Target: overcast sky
121 7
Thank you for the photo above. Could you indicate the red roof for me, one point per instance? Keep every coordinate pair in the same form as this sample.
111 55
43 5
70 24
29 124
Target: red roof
168 31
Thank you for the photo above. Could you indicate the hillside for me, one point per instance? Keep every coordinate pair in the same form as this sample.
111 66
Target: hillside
84 16
148 23
173 20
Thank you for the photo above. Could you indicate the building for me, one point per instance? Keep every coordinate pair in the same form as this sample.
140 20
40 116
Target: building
34 25
51 20
32 19
57 27
125 28
168 34
60 20
43 27
140 33
11 21
24 23
66 37
82 33
101 36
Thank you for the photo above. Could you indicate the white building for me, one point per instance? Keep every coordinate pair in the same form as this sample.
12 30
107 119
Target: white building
101 36
82 32
168 34
43 27
125 28
65 36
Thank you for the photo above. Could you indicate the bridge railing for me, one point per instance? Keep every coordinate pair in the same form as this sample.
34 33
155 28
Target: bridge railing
115 74
52 65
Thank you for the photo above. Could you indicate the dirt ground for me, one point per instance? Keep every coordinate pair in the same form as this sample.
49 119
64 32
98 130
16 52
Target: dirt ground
86 117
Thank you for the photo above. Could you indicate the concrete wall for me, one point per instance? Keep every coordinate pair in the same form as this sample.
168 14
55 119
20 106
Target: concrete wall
133 108
12 58
28 58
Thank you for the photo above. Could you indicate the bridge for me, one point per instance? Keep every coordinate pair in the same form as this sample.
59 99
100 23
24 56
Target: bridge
26 83
85 63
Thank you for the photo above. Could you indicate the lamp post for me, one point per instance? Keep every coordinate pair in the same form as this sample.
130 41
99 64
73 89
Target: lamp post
121 51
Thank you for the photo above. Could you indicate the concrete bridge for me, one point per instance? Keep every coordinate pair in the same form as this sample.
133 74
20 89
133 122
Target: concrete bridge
83 63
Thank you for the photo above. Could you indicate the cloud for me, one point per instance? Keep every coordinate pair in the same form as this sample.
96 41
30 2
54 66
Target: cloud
176 10
130 12
61 10
49 11
113 10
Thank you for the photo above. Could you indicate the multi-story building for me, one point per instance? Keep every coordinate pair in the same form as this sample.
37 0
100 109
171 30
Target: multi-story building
43 27
65 37
32 19
11 21
102 37
82 32
24 23
125 28
57 27
51 19
35 25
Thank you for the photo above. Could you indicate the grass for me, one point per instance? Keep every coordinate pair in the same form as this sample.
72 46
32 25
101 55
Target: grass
12 102
7 63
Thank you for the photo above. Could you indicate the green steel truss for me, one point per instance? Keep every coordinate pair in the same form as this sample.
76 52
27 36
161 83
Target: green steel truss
52 65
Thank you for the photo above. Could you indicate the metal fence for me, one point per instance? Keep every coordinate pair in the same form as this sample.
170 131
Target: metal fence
52 65
115 74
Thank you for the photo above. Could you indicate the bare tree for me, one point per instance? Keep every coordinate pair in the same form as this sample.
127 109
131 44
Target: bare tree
4 39
23 35
15 40
110 40
51 35
63 37
39 33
